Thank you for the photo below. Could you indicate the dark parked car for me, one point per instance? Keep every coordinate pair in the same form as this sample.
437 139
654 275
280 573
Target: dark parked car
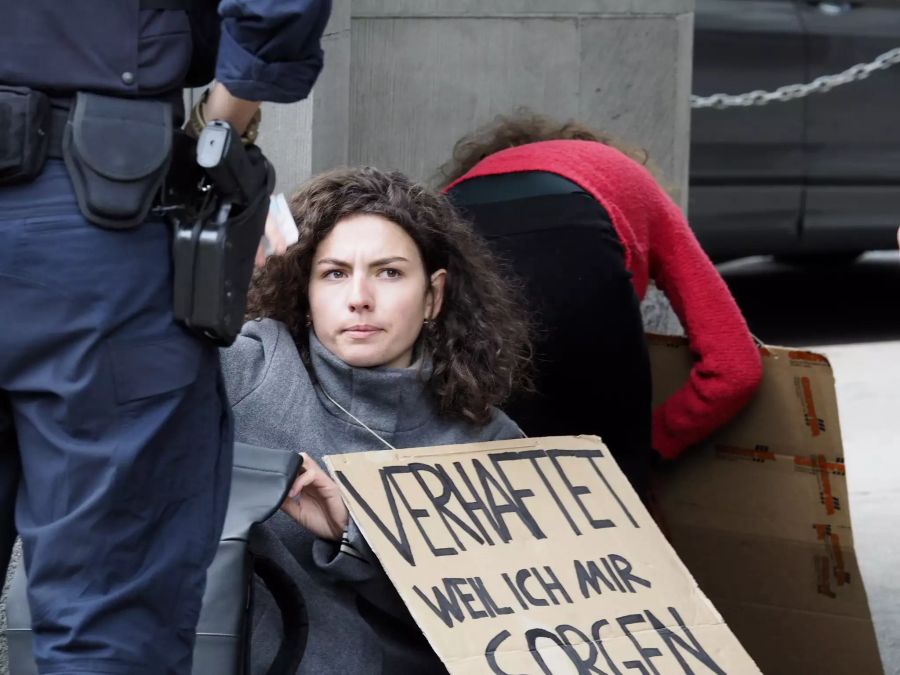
816 177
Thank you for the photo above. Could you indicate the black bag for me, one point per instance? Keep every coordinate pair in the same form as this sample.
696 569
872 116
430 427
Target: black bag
24 133
260 481
117 152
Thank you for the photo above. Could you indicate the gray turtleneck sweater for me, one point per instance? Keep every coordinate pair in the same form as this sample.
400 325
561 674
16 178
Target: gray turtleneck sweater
357 623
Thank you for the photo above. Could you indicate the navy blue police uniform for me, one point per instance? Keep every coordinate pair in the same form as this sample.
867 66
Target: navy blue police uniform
115 435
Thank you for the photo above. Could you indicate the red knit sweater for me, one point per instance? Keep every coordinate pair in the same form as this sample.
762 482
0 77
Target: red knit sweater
659 245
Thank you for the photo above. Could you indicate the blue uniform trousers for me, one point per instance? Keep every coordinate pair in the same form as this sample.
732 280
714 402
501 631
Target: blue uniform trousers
115 437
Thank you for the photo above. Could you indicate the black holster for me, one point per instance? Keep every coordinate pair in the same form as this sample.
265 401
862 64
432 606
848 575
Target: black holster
24 133
214 249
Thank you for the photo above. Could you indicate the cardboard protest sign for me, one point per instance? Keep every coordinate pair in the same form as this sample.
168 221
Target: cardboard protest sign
760 515
533 556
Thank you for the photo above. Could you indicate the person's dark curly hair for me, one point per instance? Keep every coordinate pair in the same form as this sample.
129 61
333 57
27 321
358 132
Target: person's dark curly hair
521 127
479 345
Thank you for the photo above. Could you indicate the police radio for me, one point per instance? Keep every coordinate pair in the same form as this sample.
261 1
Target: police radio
216 236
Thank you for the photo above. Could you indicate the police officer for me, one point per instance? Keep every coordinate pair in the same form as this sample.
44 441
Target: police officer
115 440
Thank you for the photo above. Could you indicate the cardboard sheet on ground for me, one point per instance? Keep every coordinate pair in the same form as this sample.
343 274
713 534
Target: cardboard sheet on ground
760 515
533 556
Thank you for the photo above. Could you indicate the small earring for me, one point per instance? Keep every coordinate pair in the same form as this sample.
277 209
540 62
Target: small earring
428 324
308 321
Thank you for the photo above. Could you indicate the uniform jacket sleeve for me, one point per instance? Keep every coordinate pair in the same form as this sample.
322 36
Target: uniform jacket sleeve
270 50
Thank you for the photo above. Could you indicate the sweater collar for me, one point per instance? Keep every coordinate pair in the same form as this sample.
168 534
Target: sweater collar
386 399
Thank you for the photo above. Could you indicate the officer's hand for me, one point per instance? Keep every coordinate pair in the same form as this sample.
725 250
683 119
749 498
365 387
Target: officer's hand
221 104
315 502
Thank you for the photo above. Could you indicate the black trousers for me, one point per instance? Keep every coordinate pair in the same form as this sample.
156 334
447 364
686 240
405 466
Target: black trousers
593 370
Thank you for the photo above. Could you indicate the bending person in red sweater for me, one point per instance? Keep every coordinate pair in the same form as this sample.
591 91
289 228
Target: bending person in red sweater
575 216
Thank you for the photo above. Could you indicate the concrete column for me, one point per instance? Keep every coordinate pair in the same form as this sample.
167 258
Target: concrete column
404 79
425 72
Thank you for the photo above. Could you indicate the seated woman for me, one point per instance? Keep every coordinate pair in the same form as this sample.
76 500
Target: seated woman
587 226
388 324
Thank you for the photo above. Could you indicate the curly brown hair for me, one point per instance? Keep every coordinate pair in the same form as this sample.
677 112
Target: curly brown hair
523 126
479 345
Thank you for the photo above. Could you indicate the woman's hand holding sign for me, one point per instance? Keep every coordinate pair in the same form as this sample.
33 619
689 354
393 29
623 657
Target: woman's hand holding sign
315 501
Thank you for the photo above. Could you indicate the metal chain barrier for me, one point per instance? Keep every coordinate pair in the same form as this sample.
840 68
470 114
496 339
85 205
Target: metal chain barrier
791 92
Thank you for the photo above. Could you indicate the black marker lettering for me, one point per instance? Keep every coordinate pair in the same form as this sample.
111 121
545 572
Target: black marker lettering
416 514
676 643
535 634
440 502
589 577
588 664
595 633
612 574
486 599
515 591
553 493
521 577
623 567
467 599
491 650
646 653
552 586
518 495
578 490
447 608
492 488
613 492
399 541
